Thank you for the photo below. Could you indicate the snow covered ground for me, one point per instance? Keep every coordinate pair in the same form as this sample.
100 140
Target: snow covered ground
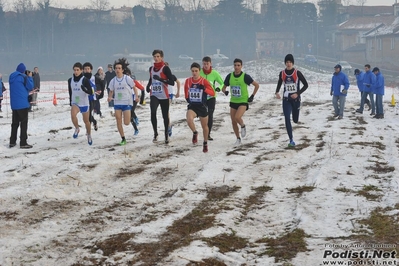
64 202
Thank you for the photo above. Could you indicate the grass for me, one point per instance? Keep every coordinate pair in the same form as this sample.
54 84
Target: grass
129 171
256 198
368 191
301 189
375 144
227 242
287 246
381 168
179 234
383 228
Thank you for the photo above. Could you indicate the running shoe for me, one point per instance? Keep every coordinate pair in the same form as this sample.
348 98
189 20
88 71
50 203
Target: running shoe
238 143
291 144
155 139
167 141
95 126
76 134
89 140
195 137
170 131
136 132
243 131
123 142
205 147
209 137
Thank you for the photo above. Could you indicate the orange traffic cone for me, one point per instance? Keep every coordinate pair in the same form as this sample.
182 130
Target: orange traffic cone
55 99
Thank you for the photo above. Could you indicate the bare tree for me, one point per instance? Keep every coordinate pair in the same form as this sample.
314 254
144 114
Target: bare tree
99 6
253 5
346 2
23 6
152 4
361 2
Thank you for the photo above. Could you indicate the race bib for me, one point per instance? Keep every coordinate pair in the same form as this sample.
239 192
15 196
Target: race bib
195 95
77 99
156 88
235 91
290 87
120 96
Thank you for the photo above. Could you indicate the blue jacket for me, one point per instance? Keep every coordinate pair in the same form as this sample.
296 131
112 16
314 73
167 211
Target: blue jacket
379 87
339 82
359 80
20 85
369 81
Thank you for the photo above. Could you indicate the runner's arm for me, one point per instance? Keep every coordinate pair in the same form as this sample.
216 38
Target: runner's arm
70 91
304 82
279 83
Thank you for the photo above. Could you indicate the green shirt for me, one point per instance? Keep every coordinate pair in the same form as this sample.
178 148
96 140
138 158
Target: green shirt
238 89
212 77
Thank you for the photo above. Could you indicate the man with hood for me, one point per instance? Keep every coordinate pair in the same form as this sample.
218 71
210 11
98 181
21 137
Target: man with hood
20 86
339 90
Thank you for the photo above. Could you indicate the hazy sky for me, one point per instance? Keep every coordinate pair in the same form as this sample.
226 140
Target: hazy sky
119 3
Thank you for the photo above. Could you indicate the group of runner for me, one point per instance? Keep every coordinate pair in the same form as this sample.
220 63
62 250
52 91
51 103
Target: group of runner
199 91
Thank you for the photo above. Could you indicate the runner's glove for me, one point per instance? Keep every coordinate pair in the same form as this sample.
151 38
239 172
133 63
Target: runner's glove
344 91
148 89
226 93
217 89
331 93
201 87
156 77
251 99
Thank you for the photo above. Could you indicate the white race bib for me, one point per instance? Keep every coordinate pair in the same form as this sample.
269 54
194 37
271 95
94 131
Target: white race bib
195 95
235 91
291 87
156 87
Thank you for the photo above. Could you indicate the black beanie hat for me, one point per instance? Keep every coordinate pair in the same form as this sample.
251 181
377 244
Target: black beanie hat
289 57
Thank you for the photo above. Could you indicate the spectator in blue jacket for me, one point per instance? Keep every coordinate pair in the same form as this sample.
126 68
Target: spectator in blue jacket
20 86
379 90
369 83
339 90
359 80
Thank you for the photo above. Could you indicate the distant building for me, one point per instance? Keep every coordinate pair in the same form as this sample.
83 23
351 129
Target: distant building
274 43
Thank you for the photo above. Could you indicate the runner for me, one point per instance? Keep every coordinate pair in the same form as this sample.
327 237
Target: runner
291 95
133 117
97 86
196 90
80 89
239 82
212 76
160 78
171 96
123 88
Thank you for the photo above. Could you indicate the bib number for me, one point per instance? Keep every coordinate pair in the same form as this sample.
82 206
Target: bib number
156 87
77 99
291 88
236 91
195 95
120 96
